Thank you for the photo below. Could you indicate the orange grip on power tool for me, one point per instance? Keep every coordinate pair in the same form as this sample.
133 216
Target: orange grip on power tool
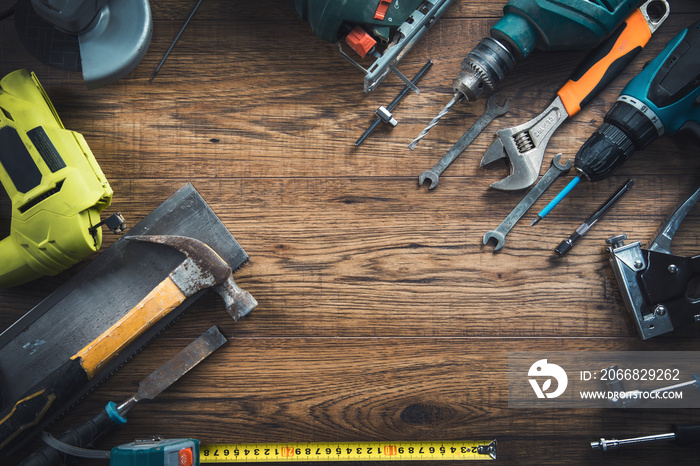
602 65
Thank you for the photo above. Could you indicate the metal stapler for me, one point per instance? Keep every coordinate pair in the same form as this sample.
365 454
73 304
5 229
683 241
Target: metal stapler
656 285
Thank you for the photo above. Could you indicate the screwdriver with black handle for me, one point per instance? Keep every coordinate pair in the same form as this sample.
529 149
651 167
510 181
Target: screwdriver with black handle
90 431
664 98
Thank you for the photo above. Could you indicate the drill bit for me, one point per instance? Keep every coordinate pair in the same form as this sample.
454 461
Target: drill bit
456 98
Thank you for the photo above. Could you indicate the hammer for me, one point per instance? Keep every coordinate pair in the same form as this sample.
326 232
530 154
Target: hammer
202 268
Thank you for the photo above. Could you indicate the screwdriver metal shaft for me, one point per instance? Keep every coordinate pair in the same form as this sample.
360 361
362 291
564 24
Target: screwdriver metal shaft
566 245
614 444
681 435
177 37
395 102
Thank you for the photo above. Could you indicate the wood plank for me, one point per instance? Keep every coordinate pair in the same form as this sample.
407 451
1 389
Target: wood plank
347 260
382 316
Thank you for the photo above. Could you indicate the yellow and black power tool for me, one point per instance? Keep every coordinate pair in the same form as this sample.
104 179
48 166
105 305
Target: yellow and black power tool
56 187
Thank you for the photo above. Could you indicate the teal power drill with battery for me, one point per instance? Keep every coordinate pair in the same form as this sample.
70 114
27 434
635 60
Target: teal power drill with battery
664 98
56 187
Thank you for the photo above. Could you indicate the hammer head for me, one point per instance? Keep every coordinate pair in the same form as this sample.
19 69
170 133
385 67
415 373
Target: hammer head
203 268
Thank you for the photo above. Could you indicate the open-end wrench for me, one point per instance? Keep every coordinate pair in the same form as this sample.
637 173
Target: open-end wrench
493 110
499 234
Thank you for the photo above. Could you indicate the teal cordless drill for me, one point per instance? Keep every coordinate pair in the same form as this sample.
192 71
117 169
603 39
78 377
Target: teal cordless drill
664 98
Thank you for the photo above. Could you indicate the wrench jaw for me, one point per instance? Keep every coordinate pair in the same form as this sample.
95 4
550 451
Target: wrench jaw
428 175
493 153
524 166
524 146
497 110
522 175
563 168
498 236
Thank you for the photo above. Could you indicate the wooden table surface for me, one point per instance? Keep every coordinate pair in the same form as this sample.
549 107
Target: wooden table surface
381 315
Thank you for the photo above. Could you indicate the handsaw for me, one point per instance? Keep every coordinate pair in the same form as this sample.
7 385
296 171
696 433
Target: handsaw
99 295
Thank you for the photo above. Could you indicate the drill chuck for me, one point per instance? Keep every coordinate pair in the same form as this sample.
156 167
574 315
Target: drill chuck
605 151
483 68
627 128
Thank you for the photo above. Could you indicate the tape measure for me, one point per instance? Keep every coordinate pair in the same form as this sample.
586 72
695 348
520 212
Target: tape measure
348 451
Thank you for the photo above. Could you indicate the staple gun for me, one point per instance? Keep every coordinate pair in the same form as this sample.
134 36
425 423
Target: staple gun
657 286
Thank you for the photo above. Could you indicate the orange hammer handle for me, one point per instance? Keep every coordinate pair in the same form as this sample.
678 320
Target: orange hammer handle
604 63
158 303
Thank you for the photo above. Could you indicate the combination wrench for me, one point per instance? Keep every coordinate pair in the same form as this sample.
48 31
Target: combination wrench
499 234
493 110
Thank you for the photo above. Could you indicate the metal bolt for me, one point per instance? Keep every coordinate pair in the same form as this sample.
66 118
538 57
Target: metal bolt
660 310
616 241
638 264
672 268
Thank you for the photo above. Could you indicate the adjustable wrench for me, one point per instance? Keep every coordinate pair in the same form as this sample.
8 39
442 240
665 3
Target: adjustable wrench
499 234
493 110
524 145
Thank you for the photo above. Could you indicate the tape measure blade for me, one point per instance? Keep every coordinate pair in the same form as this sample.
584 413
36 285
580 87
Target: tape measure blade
348 451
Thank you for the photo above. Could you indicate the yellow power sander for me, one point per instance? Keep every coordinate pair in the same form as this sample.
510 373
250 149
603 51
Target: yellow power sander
56 187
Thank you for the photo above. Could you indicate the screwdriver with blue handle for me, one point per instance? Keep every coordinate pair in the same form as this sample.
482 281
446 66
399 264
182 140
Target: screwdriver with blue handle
664 98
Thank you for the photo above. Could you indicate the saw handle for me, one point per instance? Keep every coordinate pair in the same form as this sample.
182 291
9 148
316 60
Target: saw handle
31 408
83 436
605 63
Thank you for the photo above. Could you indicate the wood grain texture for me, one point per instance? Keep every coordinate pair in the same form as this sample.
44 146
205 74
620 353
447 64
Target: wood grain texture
382 316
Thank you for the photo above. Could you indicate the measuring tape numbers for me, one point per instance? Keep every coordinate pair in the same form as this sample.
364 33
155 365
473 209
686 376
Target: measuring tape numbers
348 451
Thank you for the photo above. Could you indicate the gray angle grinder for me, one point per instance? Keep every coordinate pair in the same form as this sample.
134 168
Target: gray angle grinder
105 39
